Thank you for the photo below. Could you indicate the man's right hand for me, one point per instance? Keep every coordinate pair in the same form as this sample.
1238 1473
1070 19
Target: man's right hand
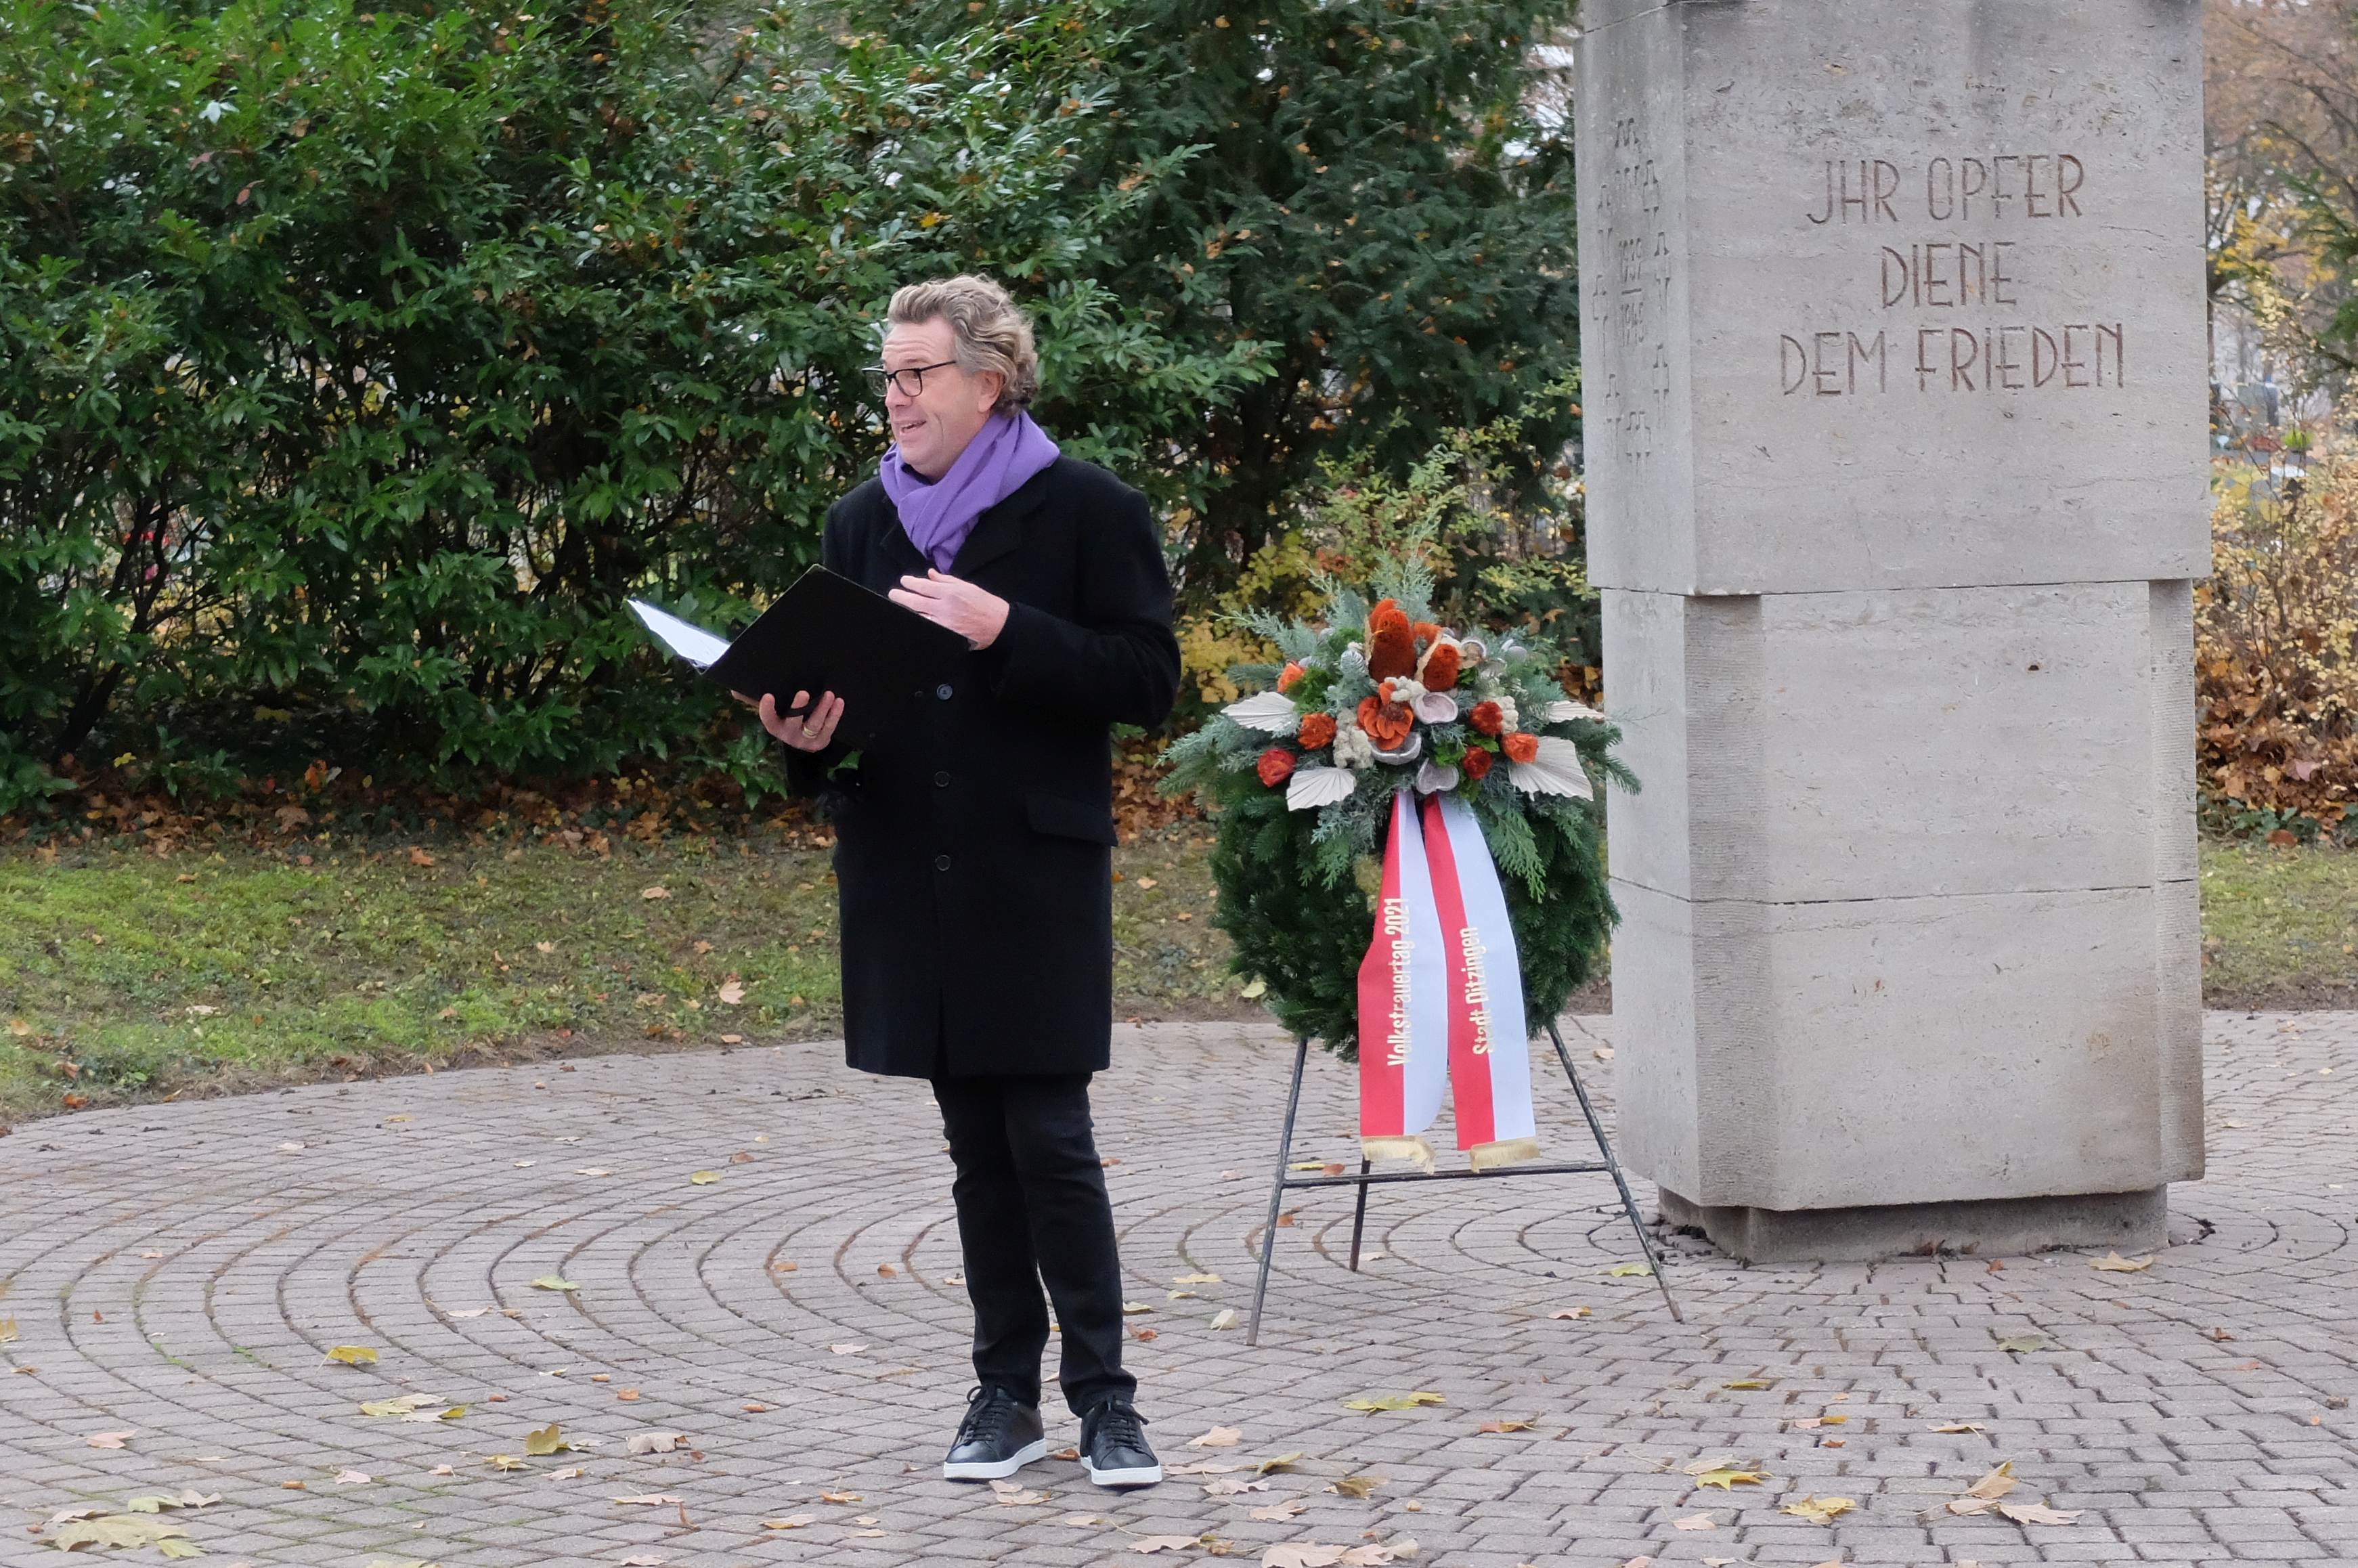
809 731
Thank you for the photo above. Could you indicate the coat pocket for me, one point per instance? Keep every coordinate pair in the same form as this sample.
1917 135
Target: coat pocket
1069 818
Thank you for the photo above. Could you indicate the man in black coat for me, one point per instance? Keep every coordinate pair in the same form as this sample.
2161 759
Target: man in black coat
973 843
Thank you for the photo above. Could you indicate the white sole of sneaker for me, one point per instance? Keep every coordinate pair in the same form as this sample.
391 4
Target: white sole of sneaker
999 1470
1139 1475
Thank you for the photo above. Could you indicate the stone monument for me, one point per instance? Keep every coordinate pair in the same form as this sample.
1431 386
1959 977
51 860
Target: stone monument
1892 322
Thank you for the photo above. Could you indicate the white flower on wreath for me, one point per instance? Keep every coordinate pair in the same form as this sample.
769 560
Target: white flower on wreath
1508 712
1352 747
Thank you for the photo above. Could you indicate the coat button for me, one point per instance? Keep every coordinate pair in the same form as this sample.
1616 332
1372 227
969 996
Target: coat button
941 781
942 691
941 862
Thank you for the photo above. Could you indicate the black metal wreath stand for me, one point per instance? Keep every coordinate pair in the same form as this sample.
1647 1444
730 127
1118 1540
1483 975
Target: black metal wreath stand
1285 1182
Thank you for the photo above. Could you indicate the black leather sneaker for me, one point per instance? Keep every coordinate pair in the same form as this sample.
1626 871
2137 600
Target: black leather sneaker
999 1436
1113 1446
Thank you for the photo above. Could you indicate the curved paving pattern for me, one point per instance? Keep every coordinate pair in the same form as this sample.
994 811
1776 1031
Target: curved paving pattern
179 1272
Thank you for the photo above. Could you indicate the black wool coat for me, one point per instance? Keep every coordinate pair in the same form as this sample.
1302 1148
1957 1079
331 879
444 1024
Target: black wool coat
974 840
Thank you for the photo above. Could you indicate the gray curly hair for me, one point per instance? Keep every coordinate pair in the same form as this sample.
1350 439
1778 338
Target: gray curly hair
990 331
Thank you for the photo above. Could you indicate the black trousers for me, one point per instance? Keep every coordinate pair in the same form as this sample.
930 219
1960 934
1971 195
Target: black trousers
1032 1209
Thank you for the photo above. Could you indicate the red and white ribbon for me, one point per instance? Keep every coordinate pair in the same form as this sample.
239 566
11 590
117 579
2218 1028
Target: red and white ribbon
1441 996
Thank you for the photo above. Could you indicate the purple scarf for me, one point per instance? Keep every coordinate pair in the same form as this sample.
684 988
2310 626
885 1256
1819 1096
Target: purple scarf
938 515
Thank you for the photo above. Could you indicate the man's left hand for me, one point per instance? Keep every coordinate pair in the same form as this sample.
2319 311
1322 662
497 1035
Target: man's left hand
974 613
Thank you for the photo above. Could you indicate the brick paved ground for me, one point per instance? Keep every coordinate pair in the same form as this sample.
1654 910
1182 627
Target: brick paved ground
177 1272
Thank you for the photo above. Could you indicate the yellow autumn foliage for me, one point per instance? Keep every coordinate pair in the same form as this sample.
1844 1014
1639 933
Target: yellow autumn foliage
2276 632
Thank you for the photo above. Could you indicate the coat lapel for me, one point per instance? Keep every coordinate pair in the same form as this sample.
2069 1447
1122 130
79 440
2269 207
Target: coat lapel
1000 529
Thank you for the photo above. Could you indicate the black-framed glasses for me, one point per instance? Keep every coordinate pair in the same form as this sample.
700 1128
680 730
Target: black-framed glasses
910 379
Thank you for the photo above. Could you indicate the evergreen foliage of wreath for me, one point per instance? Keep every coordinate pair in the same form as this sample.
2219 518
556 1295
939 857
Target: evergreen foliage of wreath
1300 804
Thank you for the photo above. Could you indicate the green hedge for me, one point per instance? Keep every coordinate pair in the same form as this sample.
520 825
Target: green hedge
355 365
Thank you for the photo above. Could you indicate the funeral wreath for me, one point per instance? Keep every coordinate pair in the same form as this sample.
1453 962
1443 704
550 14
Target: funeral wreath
1382 731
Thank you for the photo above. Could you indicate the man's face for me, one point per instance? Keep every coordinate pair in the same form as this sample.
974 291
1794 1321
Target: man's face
932 427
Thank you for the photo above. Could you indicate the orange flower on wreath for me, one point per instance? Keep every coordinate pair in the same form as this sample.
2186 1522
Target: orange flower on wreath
1387 724
1392 641
1520 747
1476 763
1317 732
1276 766
1488 717
1439 668
1288 675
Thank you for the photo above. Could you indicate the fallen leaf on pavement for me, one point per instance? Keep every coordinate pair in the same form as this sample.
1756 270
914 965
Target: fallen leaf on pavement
190 1498
1504 1426
1956 1426
1276 1463
1148 1545
1373 1402
1302 1554
642 1560
847 1349
1356 1485
1013 1493
554 1283
124 1529
352 1354
704 1178
1572 1312
402 1405
649 1499
1729 1480
352 1478
795 1522
655 1441
1747 1383
1225 1487
1276 1513
2114 1263
540 1444
109 1439
2022 1345
1218 1437
1629 1270
1225 1318
2036 1513
838 1496
1195 1279
1819 1510
504 1462
1694 1521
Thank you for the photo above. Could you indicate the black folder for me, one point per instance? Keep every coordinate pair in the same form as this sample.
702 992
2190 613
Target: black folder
825 634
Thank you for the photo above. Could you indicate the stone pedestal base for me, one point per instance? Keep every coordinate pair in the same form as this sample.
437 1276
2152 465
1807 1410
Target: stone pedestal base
1988 1228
